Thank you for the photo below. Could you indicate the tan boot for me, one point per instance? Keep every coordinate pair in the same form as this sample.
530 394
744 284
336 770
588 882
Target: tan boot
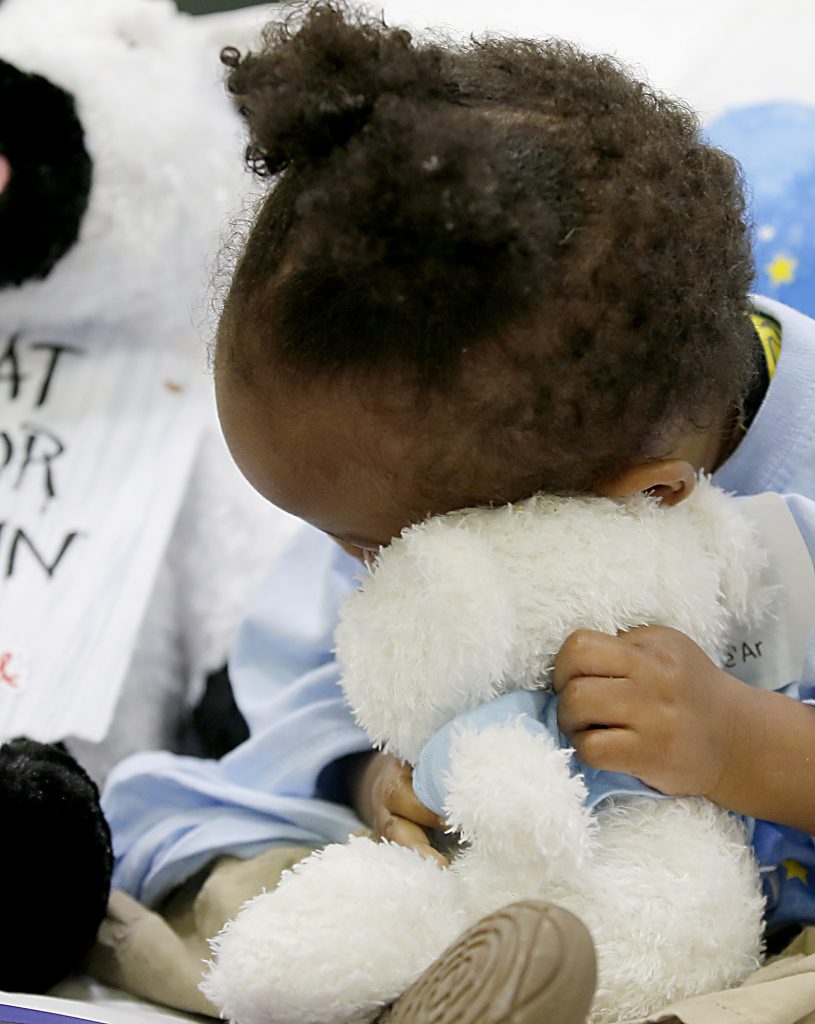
530 963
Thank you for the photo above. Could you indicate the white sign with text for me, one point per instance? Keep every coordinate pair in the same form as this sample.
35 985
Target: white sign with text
97 440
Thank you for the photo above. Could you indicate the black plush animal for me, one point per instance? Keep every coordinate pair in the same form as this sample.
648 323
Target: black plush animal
55 864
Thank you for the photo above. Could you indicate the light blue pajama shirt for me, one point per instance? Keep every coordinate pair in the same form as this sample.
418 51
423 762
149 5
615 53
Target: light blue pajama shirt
170 815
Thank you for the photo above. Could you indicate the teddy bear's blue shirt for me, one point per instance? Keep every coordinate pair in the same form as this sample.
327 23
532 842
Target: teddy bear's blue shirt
786 857
537 710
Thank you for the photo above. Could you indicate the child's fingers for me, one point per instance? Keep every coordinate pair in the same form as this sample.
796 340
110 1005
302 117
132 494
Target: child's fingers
589 702
407 805
400 799
612 750
407 833
589 653
399 815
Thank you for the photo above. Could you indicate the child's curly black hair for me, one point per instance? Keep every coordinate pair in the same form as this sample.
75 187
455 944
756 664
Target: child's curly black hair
55 864
544 243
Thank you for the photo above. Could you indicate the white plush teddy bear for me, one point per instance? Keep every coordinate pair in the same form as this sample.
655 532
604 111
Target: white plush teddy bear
460 609
129 544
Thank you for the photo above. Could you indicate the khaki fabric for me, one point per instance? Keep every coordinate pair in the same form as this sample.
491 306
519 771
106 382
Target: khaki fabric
781 992
161 955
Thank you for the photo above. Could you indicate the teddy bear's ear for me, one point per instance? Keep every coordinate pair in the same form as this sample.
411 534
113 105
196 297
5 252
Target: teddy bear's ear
144 23
429 633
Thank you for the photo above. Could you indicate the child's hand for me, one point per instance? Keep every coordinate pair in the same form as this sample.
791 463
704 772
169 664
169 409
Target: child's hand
650 703
384 798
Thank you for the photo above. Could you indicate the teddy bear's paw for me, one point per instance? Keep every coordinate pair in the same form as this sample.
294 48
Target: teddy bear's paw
346 931
512 795
680 886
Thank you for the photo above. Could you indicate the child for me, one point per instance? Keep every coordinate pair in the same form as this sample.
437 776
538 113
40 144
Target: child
55 862
481 272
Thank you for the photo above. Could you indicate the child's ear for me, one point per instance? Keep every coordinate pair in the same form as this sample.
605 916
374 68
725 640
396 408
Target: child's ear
670 480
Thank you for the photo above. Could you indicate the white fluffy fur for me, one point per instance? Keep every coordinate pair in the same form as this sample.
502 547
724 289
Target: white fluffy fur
457 610
478 602
166 151
354 894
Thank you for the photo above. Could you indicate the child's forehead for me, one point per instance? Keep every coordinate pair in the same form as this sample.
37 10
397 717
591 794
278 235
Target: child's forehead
328 453
363 455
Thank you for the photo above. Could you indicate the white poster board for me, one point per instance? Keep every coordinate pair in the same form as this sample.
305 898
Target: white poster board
97 438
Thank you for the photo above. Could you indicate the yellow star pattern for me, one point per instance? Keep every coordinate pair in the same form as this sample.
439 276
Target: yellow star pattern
795 870
769 333
781 269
